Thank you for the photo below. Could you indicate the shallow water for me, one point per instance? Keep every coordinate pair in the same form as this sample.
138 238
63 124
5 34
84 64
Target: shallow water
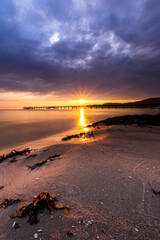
26 127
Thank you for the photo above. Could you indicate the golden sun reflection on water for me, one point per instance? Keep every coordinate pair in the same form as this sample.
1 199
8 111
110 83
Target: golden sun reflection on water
82 120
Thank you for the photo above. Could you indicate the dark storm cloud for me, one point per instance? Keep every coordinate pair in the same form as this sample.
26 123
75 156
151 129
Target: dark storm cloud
52 45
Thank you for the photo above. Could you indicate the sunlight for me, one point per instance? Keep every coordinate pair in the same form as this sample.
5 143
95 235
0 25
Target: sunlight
82 101
82 120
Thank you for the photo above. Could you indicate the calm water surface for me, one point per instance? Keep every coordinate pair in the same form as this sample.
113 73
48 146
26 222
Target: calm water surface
42 127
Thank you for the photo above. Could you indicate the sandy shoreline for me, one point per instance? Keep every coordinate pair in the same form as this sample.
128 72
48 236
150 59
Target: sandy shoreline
104 181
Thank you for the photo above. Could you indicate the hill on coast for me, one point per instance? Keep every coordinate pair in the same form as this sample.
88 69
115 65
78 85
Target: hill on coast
148 101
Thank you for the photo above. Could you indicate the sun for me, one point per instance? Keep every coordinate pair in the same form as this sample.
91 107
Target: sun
81 101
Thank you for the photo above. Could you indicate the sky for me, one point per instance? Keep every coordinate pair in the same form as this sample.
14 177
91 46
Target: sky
56 52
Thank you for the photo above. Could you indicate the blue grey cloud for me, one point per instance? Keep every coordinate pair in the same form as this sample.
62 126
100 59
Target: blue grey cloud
112 46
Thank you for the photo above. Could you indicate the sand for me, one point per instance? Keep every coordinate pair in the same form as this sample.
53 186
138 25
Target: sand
103 179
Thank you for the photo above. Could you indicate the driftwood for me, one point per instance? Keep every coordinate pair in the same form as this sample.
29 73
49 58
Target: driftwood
14 153
49 159
43 201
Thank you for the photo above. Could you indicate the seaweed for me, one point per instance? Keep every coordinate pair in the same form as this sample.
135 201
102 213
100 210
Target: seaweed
70 233
31 155
49 159
156 192
69 137
80 135
14 153
7 202
45 150
43 201
13 160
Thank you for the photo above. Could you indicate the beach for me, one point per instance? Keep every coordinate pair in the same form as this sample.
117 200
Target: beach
79 120
106 180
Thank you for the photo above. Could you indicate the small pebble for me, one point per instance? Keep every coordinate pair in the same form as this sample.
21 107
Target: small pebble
89 222
35 235
15 225
136 229
39 230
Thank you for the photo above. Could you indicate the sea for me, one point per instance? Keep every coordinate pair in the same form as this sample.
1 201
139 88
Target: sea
40 128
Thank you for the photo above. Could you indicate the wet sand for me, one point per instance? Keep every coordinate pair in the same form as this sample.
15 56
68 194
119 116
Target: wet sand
104 180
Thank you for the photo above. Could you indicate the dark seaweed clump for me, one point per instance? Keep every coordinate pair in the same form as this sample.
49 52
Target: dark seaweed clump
43 201
7 202
49 159
14 154
141 120
80 135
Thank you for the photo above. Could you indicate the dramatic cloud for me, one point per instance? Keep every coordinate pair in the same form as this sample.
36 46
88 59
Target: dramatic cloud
50 46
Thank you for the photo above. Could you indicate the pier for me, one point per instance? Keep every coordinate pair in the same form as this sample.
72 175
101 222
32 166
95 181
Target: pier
94 106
